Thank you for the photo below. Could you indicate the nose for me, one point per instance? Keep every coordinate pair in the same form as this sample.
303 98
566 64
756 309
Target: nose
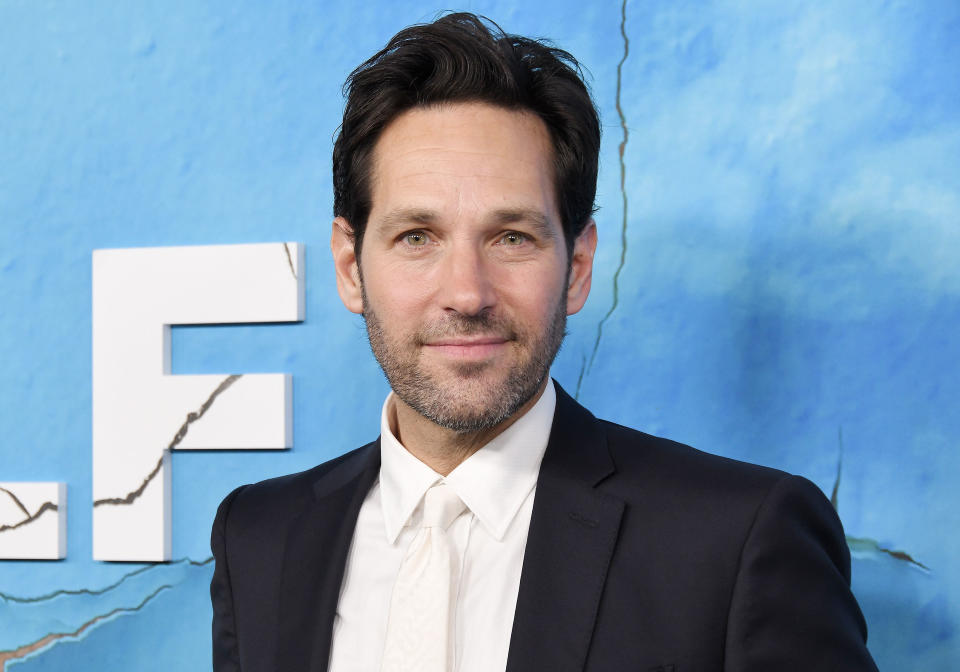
465 283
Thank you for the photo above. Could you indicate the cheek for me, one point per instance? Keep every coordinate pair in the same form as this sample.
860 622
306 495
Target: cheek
393 284
398 300
535 305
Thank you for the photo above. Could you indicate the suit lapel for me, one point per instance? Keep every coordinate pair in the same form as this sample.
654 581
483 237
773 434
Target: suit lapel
315 558
573 531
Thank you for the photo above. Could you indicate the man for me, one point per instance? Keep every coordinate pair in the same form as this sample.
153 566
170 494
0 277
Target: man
496 524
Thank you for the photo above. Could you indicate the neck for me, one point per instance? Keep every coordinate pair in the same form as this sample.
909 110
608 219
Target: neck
442 449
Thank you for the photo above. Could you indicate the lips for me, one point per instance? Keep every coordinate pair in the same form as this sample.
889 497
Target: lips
468 347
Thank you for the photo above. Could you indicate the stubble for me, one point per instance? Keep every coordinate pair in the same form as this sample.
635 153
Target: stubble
470 396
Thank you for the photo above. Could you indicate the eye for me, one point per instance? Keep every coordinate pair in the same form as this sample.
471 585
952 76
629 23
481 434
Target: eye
415 238
513 238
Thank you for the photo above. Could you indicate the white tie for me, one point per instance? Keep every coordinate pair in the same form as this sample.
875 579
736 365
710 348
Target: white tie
420 624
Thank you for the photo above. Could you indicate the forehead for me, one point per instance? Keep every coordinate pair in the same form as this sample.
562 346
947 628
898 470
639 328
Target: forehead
464 156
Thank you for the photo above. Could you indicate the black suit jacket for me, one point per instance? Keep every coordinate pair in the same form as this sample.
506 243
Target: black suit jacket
643 554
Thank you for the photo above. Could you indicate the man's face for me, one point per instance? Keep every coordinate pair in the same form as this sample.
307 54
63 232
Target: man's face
464 280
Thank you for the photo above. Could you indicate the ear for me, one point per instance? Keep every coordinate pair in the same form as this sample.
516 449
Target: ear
581 268
342 244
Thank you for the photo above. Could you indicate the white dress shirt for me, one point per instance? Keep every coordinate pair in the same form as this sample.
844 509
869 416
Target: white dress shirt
497 484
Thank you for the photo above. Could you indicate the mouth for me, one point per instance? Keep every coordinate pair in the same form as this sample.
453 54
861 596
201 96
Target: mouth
468 347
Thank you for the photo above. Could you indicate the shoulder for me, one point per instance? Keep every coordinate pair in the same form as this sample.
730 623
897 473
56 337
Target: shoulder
758 549
717 507
699 490
643 463
676 465
663 475
270 502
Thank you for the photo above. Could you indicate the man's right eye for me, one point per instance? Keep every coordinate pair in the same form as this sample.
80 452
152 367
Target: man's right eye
415 238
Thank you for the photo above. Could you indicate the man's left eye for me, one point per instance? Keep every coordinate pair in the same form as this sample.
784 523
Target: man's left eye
513 238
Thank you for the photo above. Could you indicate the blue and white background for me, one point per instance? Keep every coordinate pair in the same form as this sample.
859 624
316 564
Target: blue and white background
778 277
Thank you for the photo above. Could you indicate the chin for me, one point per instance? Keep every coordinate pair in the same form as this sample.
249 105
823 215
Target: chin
475 399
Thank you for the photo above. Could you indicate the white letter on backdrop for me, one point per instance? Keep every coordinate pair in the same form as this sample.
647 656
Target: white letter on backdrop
33 521
141 412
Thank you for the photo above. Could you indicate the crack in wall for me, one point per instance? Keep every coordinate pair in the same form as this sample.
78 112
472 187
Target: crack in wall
23 651
192 417
866 544
30 517
16 500
133 495
623 194
286 249
583 366
872 546
835 493
106 589
46 506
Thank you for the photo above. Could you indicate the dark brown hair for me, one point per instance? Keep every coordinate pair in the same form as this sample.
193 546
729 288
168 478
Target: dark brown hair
465 58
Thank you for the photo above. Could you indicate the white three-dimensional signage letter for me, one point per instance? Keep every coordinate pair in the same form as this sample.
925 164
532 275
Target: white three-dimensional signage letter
33 521
141 412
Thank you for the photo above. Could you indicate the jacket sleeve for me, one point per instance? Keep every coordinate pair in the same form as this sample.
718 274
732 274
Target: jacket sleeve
226 653
792 608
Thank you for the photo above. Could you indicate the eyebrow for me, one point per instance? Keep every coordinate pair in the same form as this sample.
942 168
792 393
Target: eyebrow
403 217
540 220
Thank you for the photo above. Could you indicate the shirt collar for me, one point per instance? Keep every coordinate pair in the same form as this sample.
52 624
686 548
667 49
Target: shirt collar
493 482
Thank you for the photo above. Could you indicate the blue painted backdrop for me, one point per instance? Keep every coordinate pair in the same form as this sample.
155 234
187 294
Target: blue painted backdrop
778 278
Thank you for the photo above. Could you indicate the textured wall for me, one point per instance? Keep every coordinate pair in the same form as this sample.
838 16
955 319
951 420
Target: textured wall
778 278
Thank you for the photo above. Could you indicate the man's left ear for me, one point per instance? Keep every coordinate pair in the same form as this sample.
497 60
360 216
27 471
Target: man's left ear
581 267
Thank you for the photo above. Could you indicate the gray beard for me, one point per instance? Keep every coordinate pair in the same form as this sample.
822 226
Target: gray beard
473 405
